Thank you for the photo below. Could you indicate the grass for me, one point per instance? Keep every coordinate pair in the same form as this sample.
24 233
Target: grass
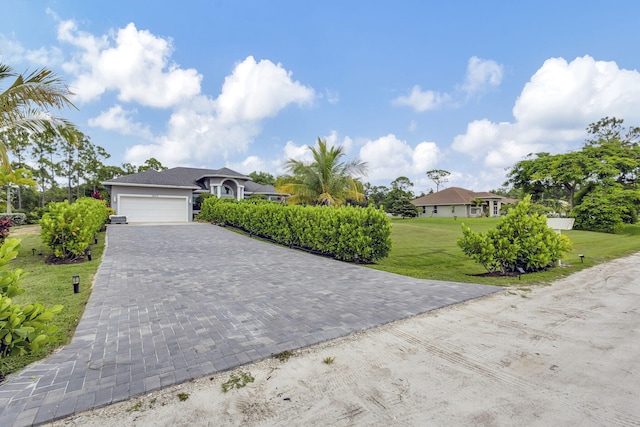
51 285
426 248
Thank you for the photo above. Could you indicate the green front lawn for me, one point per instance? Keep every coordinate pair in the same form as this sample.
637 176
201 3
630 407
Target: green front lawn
426 248
51 285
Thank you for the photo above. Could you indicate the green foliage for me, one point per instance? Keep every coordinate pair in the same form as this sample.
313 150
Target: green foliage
607 210
10 279
324 181
519 240
69 229
16 218
237 381
263 178
23 329
346 233
328 360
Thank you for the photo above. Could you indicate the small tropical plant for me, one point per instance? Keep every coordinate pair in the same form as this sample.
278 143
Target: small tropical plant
69 229
23 329
519 241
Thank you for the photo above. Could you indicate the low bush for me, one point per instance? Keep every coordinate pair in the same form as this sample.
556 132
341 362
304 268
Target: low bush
69 229
23 329
346 233
519 240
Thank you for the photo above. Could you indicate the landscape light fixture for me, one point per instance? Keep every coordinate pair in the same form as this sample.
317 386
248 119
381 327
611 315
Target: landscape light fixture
33 251
520 271
95 239
581 258
75 279
89 254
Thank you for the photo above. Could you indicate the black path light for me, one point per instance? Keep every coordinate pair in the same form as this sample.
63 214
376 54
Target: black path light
88 252
33 252
75 279
581 258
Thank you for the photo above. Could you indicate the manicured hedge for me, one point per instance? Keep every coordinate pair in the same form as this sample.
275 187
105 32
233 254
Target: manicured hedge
69 229
346 233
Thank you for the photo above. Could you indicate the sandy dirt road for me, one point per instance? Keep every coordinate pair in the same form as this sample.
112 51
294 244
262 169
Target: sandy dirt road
566 354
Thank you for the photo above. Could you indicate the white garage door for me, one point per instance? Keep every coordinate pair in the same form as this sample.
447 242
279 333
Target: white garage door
154 209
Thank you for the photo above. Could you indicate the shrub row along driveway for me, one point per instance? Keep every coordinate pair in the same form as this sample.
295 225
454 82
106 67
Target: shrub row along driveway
175 302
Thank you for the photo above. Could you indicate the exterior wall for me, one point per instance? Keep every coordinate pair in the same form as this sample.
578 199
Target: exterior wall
444 211
118 190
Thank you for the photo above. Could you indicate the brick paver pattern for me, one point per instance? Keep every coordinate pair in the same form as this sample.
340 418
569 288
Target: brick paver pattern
176 302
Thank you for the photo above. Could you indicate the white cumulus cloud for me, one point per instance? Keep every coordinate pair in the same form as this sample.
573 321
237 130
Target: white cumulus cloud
257 90
553 110
481 75
389 157
120 120
133 63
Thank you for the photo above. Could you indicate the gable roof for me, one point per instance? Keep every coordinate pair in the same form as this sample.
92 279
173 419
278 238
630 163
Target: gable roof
453 196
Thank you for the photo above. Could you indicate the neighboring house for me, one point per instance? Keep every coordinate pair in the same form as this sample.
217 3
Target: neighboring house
169 196
456 201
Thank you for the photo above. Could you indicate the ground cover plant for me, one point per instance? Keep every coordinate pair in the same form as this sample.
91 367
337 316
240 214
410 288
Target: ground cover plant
426 248
50 284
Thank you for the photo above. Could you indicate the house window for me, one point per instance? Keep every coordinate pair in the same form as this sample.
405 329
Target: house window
435 209
424 209
453 209
474 211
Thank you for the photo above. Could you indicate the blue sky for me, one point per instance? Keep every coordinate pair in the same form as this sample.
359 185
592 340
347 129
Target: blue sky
407 86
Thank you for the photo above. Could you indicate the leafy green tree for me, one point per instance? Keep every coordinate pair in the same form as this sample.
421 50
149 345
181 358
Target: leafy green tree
326 180
606 209
263 178
519 240
398 199
438 176
375 195
17 177
152 163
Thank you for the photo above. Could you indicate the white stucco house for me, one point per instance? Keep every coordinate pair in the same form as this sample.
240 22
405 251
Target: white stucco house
459 202
170 195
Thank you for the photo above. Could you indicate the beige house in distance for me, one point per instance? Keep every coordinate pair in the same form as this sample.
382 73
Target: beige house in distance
459 202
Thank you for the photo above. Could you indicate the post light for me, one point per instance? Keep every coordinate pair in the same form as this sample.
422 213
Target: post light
89 254
581 258
75 279
33 251
95 239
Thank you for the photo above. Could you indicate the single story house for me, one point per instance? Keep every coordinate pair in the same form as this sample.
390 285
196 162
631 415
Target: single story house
170 195
459 202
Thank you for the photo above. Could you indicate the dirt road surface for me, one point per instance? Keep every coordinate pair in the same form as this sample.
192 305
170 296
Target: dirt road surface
565 354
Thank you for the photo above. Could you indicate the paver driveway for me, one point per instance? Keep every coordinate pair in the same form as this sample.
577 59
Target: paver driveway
175 302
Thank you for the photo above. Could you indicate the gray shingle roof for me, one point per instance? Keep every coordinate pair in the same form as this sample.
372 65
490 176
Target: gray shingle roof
188 177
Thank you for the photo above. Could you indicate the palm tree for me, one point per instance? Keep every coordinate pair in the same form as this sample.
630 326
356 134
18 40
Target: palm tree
324 181
25 103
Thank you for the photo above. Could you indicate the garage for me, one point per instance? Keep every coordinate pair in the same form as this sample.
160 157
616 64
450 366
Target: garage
139 208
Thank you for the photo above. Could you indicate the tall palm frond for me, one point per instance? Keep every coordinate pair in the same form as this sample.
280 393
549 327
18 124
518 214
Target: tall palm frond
25 103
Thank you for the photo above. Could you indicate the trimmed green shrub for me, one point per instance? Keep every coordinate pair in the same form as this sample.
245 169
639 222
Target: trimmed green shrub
607 210
69 229
519 240
346 233
22 328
